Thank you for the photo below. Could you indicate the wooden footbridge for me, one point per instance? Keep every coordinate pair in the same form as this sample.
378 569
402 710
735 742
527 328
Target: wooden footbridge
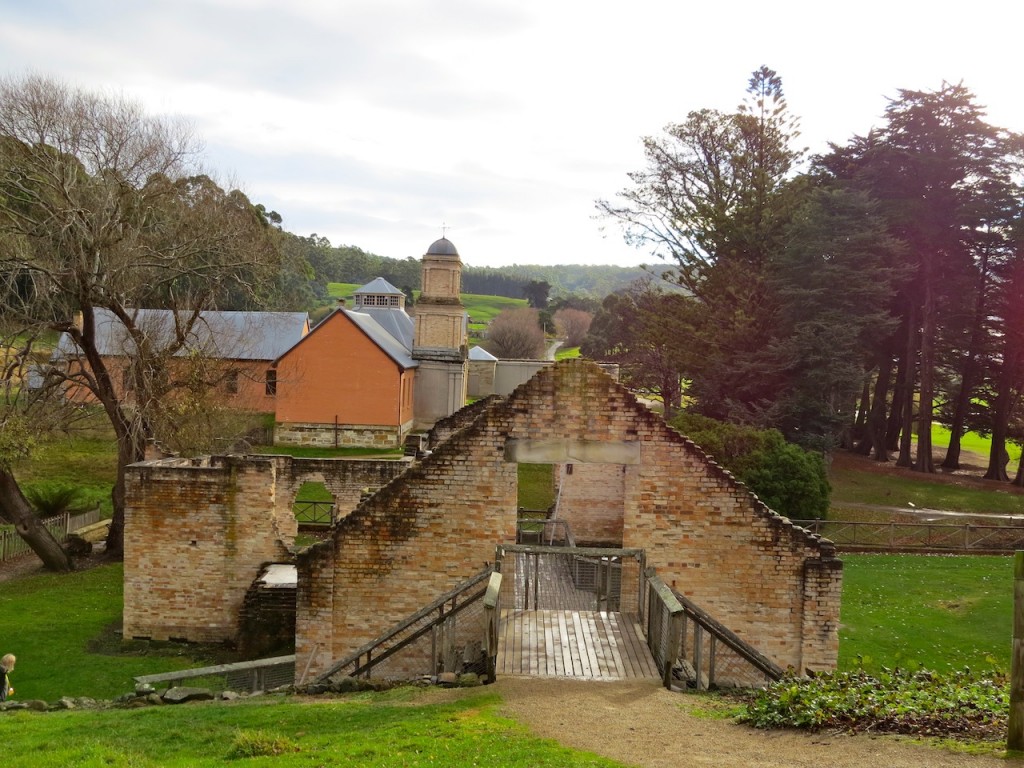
563 620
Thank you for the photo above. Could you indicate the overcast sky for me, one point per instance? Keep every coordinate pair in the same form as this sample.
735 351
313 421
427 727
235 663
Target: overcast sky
372 122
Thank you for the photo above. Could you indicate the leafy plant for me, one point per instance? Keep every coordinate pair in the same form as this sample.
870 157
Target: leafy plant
49 500
897 701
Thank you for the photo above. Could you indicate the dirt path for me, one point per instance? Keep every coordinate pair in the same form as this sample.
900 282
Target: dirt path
642 724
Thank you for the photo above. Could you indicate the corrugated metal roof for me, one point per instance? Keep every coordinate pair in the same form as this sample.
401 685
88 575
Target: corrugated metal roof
390 345
394 321
225 335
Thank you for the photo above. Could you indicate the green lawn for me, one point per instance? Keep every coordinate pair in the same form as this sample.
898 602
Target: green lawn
935 612
87 461
393 729
536 486
308 452
853 486
61 628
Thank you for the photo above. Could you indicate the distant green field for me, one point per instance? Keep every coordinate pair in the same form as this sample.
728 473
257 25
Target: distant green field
341 290
482 309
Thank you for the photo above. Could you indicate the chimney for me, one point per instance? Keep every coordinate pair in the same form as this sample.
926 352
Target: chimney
77 320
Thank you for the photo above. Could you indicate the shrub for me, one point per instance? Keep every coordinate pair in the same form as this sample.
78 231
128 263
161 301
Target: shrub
259 744
787 478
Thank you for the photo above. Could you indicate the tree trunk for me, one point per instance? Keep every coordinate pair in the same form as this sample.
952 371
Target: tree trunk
997 456
876 417
895 421
1019 479
926 405
969 372
907 408
16 510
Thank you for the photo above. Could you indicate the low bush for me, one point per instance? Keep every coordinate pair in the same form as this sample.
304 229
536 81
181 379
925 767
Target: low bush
787 478
924 703
259 744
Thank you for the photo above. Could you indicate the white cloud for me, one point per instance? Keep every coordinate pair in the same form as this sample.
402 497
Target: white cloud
372 121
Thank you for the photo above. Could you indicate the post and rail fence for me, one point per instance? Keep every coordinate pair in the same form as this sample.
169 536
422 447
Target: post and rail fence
60 526
970 538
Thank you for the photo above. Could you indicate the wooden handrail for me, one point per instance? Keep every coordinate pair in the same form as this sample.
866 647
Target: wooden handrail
404 625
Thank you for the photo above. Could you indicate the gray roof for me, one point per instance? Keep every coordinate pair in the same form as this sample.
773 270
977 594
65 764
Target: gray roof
479 353
379 286
225 335
442 247
394 321
390 345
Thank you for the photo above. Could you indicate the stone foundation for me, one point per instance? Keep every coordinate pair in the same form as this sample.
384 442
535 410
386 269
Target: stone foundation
341 435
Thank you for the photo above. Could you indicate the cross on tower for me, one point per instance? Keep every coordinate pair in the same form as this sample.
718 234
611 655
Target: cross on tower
444 229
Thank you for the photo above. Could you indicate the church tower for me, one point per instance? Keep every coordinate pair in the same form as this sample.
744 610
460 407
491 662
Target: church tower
439 343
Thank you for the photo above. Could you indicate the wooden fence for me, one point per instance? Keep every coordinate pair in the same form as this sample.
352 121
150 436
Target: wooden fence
860 536
12 545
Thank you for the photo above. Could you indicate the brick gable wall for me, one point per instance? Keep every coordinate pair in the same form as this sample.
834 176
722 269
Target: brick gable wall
435 526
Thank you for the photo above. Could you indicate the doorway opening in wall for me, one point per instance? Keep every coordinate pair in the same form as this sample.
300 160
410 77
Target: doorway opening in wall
314 508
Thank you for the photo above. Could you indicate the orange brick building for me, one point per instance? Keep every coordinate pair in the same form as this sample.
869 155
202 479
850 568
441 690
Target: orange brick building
351 380
369 375
365 376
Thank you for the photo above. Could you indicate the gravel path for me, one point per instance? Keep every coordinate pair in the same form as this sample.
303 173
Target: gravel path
642 724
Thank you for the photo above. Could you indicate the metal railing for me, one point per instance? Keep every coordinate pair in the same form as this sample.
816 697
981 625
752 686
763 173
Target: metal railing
691 646
314 512
250 676
456 633
547 531
542 577
60 526
855 535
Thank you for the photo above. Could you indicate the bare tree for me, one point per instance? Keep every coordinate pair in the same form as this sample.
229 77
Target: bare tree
572 325
106 209
515 334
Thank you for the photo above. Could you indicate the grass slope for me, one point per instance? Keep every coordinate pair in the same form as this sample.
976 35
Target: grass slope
285 733
61 629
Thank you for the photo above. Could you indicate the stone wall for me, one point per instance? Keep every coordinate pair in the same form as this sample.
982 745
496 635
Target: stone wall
591 500
435 526
197 533
341 435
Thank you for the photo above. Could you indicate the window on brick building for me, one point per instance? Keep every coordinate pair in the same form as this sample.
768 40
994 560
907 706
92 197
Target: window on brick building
271 382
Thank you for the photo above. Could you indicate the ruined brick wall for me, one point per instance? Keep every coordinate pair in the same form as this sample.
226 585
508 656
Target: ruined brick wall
418 537
196 534
436 525
590 499
707 535
461 419
346 479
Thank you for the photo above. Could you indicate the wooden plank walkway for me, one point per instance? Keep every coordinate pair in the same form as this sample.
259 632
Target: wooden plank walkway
592 645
